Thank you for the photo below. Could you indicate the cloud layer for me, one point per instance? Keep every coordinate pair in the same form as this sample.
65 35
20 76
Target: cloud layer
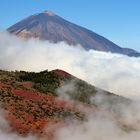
97 129
117 73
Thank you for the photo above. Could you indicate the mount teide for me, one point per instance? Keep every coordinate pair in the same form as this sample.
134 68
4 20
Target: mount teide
48 26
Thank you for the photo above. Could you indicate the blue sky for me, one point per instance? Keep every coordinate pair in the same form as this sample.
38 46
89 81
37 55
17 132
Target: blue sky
117 20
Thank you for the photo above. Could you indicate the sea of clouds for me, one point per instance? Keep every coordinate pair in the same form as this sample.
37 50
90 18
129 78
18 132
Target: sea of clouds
113 72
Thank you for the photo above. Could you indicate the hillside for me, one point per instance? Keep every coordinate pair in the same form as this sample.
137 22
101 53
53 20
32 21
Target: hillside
32 101
51 27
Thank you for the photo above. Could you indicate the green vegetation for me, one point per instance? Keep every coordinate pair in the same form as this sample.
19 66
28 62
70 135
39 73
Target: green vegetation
43 81
49 82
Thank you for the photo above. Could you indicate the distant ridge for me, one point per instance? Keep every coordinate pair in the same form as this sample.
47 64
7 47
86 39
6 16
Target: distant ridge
49 26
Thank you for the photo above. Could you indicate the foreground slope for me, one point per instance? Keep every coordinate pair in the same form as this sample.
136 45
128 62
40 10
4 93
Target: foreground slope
48 26
33 102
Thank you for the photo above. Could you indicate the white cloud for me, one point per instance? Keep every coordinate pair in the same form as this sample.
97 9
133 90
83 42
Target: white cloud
97 129
117 73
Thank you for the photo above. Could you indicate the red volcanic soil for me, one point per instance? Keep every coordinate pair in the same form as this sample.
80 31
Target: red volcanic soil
1 85
27 84
27 124
51 100
26 94
62 73
38 113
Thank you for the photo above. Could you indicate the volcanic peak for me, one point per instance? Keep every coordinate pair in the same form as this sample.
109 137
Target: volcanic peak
49 13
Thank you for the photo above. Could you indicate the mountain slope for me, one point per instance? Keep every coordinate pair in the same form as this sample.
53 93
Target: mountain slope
48 26
32 104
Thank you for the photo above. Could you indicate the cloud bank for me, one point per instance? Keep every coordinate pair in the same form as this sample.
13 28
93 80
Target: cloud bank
113 72
97 129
